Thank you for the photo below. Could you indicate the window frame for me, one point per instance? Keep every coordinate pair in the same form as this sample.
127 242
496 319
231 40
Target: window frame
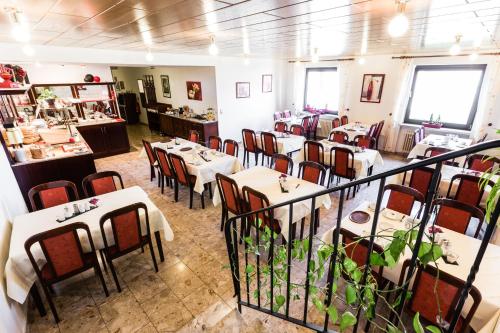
473 110
316 69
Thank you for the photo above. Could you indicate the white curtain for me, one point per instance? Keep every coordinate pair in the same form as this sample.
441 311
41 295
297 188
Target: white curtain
405 75
344 68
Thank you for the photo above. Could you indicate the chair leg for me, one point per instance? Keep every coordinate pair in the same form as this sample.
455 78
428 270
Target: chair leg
162 183
152 253
244 156
202 197
257 158
115 277
176 190
51 303
302 222
35 294
101 252
210 190
152 176
262 162
159 246
98 272
159 176
190 197
222 218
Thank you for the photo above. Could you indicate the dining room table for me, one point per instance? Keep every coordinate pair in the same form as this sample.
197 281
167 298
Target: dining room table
287 143
353 129
364 159
266 181
463 249
19 273
202 162
451 142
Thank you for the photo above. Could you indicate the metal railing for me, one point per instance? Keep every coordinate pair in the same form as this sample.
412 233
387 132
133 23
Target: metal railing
235 245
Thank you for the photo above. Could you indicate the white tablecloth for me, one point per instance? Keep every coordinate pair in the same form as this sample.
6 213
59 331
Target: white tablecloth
362 160
466 248
19 272
265 180
286 144
353 129
435 140
203 170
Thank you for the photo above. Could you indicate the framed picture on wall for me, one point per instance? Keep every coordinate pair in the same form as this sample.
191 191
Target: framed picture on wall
242 89
371 91
194 90
267 83
165 86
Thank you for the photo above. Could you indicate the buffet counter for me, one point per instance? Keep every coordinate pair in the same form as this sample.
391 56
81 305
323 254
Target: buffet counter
179 126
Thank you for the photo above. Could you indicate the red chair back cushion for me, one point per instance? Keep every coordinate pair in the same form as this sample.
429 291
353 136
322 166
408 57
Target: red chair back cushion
53 197
214 144
314 152
281 165
280 127
268 144
193 137
335 123
150 153
364 142
469 192
482 166
163 161
179 171
126 228
453 218
249 141
230 196
103 185
230 148
311 174
64 253
400 202
339 137
420 180
342 163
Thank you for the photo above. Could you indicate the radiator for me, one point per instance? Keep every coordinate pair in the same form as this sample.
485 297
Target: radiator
407 141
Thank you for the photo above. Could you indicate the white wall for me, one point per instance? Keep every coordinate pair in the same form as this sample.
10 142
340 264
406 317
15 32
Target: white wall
12 314
178 75
67 73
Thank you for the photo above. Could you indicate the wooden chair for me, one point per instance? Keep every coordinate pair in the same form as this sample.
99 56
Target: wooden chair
440 302
468 190
364 141
420 179
314 127
277 116
456 215
372 131
283 164
402 198
127 234
52 194
314 173
287 114
380 126
166 172
297 130
215 142
230 198
231 147
184 178
335 123
194 136
255 200
481 163
306 123
64 257
314 151
269 146
417 136
344 120
435 151
250 146
339 137
101 183
153 164
342 166
280 126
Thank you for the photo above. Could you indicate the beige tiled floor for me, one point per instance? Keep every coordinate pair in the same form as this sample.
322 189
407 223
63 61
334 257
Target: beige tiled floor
191 292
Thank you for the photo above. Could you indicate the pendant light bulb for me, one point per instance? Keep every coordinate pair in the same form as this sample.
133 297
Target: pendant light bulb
213 49
399 23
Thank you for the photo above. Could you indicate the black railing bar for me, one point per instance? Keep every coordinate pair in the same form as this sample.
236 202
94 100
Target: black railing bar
271 258
407 167
312 223
237 261
246 230
292 320
372 240
423 224
333 258
257 255
475 267
289 258
232 262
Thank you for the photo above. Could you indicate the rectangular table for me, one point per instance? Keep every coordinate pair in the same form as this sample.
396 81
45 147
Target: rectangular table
353 129
464 246
435 140
362 160
265 180
196 165
287 143
19 273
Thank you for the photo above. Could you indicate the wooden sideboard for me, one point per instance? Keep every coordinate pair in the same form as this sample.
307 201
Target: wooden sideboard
179 127
106 139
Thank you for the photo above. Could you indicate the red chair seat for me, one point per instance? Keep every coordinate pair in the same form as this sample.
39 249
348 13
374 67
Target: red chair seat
48 275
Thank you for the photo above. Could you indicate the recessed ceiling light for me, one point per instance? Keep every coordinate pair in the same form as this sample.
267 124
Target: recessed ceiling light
213 49
149 56
399 23
20 30
361 61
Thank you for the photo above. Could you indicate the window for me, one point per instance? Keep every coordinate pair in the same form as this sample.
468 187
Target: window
322 89
445 93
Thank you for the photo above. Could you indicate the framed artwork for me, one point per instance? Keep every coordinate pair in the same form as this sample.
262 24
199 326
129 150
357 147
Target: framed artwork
242 89
165 86
194 90
267 83
371 91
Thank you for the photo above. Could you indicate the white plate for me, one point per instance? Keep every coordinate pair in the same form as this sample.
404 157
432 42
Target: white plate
392 215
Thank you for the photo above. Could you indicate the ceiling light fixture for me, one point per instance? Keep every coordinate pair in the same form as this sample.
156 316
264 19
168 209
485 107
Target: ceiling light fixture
361 61
315 55
213 49
455 48
399 23
28 50
20 30
149 56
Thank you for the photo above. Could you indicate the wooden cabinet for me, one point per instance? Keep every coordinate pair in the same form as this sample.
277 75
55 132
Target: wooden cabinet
180 127
106 139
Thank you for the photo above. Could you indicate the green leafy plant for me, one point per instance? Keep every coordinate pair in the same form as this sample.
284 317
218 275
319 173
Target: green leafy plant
492 197
361 288
46 94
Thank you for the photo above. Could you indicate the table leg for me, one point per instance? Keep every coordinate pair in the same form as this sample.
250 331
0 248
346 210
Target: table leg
38 300
160 248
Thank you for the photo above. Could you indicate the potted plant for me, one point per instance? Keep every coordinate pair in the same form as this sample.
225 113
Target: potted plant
48 96
433 123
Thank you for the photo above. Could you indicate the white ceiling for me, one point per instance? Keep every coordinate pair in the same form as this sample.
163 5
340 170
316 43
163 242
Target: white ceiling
281 28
